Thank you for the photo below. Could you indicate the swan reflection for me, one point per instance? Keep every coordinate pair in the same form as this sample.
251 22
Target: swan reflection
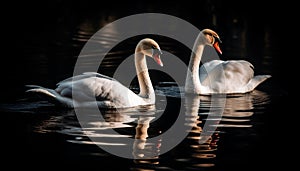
203 121
205 118
130 125
201 143
143 151
237 108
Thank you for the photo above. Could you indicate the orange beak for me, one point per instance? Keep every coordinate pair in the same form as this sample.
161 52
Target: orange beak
217 47
158 60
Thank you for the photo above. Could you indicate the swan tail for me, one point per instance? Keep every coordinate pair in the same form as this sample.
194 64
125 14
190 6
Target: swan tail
50 95
256 80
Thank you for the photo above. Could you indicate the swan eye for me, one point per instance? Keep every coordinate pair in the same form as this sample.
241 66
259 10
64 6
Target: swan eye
217 39
156 51
154 47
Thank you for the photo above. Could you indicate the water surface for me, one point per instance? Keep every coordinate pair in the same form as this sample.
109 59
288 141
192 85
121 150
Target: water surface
41 132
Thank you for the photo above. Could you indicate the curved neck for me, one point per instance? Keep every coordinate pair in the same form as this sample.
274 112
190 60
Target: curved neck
146 88
193 84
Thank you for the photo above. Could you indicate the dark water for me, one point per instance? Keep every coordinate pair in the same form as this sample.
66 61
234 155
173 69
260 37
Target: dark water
46 41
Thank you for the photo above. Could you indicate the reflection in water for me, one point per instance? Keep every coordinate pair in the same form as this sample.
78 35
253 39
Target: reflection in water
139 124
144 152
238 112
48 55
200 146
238 108
200 149
95 131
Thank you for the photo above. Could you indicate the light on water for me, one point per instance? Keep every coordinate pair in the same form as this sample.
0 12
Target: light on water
222 133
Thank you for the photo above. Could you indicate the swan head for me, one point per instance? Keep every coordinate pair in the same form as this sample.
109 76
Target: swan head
211 38
150 48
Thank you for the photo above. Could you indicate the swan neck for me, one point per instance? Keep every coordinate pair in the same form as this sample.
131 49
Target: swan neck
145 84
193 83
196 59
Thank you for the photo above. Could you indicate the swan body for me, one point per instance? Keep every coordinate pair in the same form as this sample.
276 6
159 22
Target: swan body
90 87
217 76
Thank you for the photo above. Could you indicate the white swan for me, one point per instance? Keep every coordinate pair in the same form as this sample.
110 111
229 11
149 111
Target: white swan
217 76
91 87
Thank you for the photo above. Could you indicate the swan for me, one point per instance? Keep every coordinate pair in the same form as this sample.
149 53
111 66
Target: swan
91 87
217 76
